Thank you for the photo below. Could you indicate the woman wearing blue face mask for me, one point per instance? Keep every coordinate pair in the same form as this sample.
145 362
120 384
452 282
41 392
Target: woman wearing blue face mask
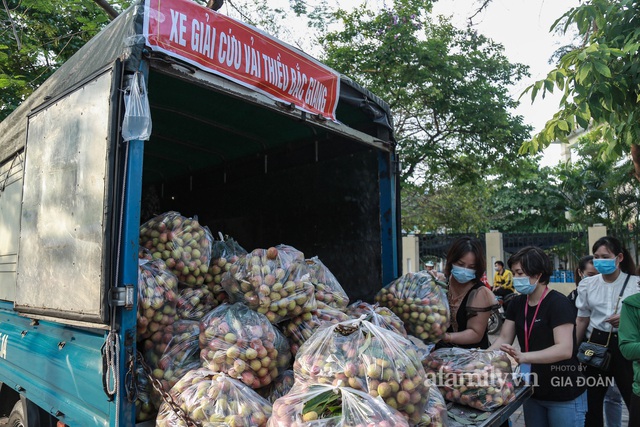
470 301
599 302
544 322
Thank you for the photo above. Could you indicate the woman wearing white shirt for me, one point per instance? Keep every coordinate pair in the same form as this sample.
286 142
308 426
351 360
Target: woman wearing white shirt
597 316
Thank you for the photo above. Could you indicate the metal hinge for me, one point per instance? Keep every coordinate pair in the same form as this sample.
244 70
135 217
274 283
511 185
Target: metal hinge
122 296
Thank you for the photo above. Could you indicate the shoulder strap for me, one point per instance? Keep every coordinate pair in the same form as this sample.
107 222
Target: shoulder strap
616 309
621 292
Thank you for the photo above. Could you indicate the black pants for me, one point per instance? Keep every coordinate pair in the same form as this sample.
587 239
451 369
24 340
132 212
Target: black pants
598 381
634 411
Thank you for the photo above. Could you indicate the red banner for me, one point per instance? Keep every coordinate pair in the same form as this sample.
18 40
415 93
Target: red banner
219 44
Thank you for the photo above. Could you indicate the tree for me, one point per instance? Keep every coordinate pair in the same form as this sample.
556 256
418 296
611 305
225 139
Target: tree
454 209
36 38
599 80
597 190
527 202
447 88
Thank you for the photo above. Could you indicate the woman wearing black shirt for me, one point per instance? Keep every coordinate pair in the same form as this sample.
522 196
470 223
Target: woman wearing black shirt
544 322
470 301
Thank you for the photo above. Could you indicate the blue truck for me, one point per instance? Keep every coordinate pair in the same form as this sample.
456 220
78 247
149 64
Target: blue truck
257 139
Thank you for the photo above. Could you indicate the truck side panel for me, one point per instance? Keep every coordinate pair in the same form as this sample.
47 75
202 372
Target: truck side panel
57 367
10 200
64 206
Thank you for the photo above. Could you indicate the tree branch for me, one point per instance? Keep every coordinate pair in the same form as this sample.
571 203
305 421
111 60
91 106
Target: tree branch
104 4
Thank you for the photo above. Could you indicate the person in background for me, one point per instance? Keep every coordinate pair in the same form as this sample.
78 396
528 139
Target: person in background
584 269
598 318
436 275
629 341
502 283
470 302
544 322
612 399
502 280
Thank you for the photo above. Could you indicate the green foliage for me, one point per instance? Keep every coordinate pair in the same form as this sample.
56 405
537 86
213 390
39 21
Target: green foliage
46 34
597 189
454 208
447 88
599 80
529 201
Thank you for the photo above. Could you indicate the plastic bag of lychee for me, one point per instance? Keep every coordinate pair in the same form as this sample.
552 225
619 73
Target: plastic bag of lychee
420 303
481 379
214 399
170 354
366 357
157 297
278 387
435 413
378 315
183 243
327 288
224 253
327 406
243 344
145 409
194 303
181 354
301 328
272 282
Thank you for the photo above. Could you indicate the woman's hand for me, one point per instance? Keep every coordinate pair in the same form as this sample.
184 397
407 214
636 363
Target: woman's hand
512 351
614 320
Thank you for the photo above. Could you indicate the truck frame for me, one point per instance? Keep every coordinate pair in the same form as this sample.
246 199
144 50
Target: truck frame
249 158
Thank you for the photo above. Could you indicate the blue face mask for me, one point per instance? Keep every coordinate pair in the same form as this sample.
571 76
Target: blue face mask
463 275
605 266
523 285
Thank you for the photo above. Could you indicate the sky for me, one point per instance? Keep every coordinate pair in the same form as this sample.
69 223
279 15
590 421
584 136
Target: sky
522 27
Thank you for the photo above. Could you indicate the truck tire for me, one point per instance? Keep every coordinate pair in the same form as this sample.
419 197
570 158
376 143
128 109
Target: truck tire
16 419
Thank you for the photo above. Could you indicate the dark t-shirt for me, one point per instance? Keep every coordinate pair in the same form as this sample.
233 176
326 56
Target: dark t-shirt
560 381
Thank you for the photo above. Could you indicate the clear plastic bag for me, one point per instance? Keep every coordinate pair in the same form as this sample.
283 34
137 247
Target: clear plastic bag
328 289
243 344
181 354
420 303
272 282
378 315
214 399
194 303
327 406
224 253
366 357
279 387
300 328
137 114
435 413
145 408
157 298
182 243
481 379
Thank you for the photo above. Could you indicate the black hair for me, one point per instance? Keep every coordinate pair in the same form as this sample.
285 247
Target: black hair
626 265
500 262
533 261
582 265
462 246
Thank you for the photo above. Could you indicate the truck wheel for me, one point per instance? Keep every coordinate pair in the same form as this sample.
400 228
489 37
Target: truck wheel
16 419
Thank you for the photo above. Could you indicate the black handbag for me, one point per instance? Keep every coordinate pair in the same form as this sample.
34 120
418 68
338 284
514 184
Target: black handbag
595 355
598 355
